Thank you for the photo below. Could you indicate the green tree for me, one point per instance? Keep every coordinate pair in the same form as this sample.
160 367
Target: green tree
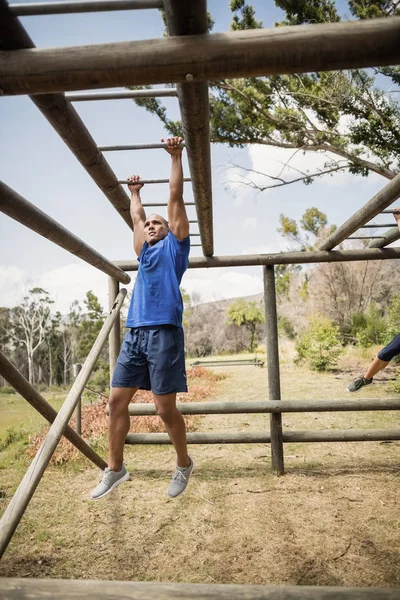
320 343
351 118
248 315
370 327
90 325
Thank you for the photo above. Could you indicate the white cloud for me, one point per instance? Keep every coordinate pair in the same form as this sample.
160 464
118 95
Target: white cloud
64 284
250 223
220 284
274 161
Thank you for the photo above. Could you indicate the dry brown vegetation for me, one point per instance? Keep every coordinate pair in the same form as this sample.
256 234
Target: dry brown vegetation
333 519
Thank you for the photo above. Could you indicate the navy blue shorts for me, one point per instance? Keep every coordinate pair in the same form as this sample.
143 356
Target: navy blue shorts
152 358
391 350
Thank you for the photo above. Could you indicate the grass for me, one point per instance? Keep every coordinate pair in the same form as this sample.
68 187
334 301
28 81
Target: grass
331 520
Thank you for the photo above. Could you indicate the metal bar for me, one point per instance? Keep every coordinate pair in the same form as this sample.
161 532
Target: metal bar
31 9
16 207
366 237
123 95
371 209
63 589
188 19
166 204
135 147
27 391
376 225
114 339
389 212
390 236
274 384
260 437
265 406
147 181
32 477
208 57
63 117
282 258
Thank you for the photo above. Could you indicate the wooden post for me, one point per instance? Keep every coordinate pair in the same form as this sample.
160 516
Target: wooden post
76 369
32 477
190 18
114 339
16 207
274 385
25 389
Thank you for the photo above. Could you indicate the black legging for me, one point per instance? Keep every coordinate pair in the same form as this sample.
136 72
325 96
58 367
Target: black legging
391 350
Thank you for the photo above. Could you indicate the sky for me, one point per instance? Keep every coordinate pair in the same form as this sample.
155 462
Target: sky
36 163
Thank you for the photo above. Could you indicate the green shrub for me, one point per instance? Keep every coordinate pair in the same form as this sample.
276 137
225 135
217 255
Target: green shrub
286 327
7 389
319 344
13 436
371 327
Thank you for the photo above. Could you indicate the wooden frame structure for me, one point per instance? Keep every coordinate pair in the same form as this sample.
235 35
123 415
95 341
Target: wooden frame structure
189 58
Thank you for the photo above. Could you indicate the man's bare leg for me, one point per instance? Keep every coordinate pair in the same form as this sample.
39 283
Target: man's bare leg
376 366
174 424
118 425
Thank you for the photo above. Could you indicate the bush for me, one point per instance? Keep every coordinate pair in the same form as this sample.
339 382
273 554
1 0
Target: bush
370 328
320 344
286 327
7 389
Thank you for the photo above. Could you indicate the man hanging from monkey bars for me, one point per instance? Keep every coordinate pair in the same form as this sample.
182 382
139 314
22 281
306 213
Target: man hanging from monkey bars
152 353
385 355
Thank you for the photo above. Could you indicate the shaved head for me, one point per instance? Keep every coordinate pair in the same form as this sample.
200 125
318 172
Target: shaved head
164 221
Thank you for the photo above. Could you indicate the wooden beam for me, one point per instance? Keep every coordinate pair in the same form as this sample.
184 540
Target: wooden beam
63 589
260 437
80 6
18 504
371 209
27 391
180 59
63 117
269 406
187 19
19 209
114 339
390 236
282 258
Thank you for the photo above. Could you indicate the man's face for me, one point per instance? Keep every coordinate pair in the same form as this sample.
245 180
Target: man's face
155 229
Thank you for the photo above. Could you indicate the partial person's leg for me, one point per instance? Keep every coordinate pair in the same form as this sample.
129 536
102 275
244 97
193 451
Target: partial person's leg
374 368
118 425
174 424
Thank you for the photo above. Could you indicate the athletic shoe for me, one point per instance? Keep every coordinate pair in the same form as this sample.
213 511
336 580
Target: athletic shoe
108 482
358 383
180 479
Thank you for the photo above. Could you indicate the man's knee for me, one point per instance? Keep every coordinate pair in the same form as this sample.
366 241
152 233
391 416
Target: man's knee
168 414
120 399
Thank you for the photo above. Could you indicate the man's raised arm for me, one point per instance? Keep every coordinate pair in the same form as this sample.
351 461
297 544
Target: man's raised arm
177 217
137 213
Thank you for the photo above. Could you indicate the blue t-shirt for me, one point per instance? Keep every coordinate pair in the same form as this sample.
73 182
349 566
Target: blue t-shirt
156 298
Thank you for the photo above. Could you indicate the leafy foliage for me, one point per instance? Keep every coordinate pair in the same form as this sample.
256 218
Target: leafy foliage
247 315
320 343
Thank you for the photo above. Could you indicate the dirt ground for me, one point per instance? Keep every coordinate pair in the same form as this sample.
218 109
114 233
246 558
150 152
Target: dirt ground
332 519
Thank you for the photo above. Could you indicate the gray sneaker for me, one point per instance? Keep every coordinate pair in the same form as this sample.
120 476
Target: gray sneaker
109 481
180 479
358 383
